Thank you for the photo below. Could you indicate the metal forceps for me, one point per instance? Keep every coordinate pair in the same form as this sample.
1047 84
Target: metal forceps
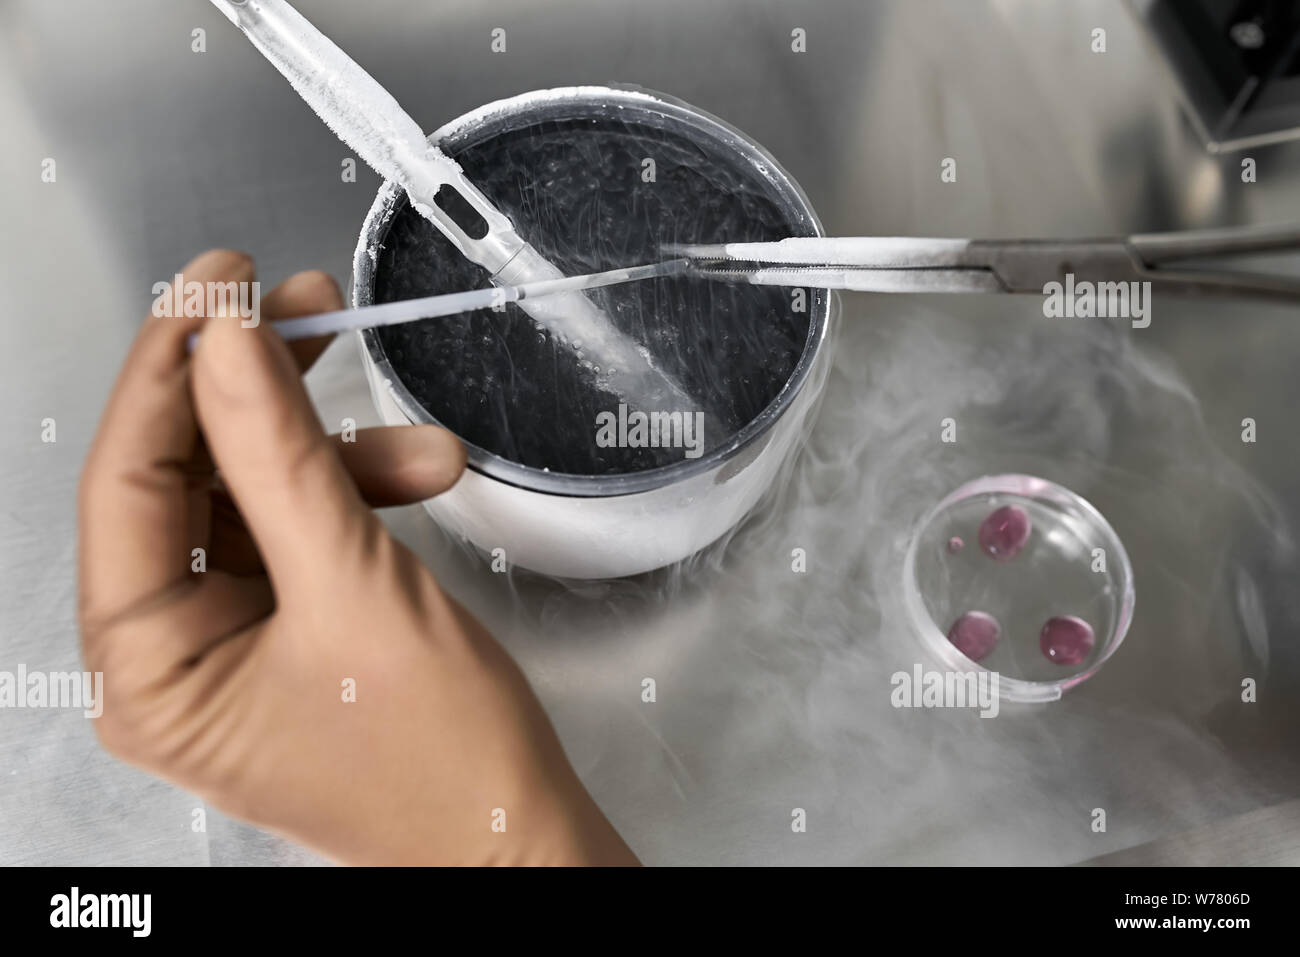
1169 261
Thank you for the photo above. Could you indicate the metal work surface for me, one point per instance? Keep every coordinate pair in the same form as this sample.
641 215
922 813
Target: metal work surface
773 685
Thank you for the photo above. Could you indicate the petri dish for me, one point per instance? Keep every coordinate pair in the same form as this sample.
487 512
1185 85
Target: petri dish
1020 576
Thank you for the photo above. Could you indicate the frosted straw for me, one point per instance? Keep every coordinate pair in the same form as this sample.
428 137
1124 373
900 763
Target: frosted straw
452 303
365 116
369 120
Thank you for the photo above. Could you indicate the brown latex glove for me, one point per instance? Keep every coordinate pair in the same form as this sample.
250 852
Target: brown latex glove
230 682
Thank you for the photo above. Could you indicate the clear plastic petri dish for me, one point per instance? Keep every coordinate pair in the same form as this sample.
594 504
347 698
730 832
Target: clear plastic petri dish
1020 576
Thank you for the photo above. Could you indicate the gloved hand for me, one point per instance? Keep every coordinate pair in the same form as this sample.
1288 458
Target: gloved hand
233 682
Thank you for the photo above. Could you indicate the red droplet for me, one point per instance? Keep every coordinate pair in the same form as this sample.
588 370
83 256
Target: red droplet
974 634
1066 640
955 545
1004 533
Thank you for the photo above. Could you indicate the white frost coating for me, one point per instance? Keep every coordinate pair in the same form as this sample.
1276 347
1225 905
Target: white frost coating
228 10
877 280
368 119
347 98
627 368
877 252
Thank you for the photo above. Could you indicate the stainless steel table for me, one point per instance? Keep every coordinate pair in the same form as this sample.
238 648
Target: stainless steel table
773 686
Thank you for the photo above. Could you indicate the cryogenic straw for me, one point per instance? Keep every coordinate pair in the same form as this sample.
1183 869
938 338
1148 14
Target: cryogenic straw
449 304
365 116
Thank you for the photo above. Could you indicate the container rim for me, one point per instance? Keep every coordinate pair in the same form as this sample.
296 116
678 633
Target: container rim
553 104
